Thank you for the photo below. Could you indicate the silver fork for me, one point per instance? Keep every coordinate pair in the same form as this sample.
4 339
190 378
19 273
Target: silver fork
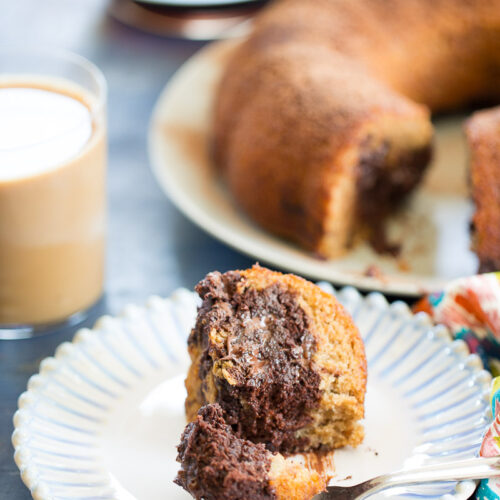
475 468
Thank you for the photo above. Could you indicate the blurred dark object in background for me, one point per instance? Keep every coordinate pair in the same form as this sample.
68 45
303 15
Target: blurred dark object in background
189 19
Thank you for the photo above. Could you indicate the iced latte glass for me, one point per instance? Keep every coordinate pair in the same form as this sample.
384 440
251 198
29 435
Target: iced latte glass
52 189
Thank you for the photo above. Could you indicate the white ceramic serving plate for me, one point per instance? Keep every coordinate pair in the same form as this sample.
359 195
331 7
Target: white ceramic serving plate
434 229
103 417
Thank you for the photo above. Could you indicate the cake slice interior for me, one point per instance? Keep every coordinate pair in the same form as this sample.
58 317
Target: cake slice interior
217 465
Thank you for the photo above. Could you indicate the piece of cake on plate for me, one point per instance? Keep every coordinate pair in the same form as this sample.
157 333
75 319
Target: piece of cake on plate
217 465
483 136
282 358
277 366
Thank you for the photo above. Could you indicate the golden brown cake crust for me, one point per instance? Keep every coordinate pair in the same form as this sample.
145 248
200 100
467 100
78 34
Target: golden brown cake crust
483 135
281 357
320 84
293 481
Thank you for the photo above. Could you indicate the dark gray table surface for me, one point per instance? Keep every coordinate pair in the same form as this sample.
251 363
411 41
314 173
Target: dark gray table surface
152 248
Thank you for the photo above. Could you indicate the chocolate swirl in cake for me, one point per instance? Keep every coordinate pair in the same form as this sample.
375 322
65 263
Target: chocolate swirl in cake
259 342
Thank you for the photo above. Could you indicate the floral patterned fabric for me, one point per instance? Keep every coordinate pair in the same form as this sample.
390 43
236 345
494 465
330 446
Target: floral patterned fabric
490 489
470 308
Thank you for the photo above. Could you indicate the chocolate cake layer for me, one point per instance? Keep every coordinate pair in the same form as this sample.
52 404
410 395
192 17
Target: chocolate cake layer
216 465
382 189
261 341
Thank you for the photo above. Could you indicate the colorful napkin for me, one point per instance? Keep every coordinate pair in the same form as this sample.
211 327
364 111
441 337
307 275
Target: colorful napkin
490 488
470 308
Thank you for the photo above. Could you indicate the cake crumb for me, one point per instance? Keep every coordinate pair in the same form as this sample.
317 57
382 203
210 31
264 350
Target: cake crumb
373 271
403 265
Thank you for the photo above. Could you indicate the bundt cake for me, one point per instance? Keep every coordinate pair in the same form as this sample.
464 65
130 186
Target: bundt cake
217 465
483 136
281 357
322 116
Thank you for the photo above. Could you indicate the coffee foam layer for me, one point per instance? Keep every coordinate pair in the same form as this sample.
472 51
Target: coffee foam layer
39 130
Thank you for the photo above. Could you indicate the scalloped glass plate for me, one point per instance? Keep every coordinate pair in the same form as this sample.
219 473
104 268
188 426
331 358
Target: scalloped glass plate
103 417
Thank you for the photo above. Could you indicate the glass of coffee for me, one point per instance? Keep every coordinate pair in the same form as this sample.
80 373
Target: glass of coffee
52 189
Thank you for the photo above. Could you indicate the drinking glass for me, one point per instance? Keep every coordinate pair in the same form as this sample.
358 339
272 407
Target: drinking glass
53 157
